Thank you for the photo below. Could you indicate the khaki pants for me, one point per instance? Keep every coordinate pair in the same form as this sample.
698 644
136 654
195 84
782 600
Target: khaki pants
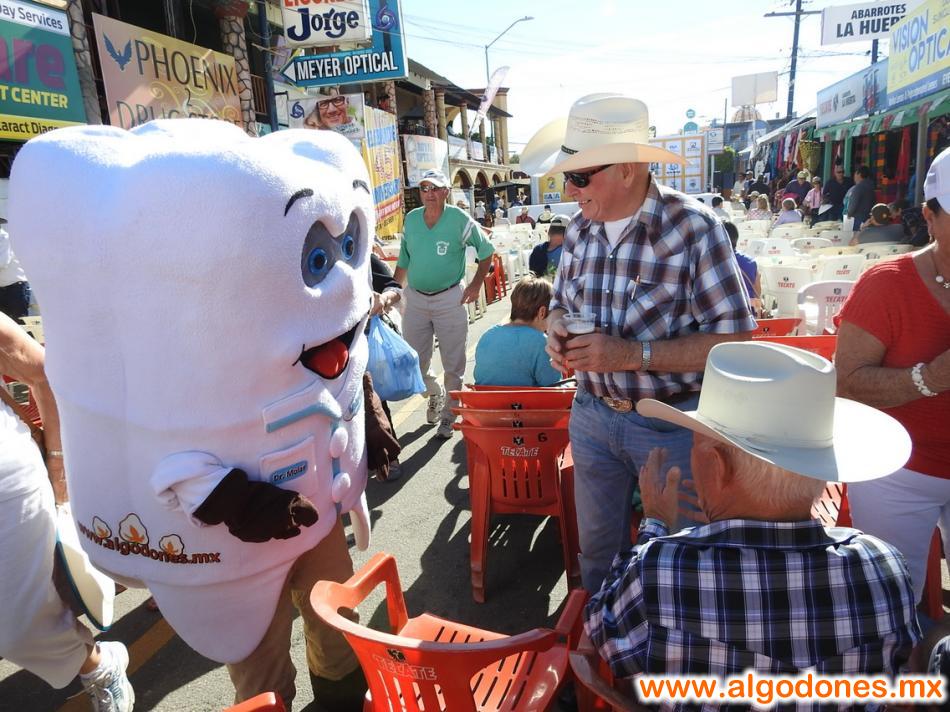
269 668
444 316
38 632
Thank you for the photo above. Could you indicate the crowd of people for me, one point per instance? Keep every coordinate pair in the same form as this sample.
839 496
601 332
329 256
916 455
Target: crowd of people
729 441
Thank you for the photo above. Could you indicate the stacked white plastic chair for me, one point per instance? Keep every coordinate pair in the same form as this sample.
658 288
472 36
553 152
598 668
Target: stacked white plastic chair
808 244
818 302
780 285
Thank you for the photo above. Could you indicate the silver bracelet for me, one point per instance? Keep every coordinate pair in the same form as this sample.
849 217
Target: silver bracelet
917 376
646 356
54 453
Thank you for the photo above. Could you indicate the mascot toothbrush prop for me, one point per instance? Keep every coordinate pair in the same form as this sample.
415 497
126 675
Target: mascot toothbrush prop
204 297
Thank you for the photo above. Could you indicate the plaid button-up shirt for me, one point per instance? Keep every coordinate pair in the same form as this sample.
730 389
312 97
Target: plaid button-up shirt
776 597
673 273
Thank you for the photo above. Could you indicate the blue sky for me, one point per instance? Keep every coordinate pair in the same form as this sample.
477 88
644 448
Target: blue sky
673 54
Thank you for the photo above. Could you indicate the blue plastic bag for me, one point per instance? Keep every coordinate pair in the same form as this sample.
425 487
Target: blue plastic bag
393 363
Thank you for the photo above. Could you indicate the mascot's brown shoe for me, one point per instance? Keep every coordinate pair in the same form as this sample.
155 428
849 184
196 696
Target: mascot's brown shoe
344 695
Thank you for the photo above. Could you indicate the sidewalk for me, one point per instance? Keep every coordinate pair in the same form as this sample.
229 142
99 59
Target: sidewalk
423 519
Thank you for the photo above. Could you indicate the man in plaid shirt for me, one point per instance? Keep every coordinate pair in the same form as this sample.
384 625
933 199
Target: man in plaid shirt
762 586
657 272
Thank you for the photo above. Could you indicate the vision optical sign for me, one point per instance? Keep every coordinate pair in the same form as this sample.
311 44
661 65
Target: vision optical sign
385 58
39 85
319 23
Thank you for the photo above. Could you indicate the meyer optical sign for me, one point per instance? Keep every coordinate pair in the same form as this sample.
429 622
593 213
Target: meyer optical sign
383 58
321 23
861 23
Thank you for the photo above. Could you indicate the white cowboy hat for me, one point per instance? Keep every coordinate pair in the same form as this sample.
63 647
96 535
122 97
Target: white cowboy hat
93 590
601 129
778 404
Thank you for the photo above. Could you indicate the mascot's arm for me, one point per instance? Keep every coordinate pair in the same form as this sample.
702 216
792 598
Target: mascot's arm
212 493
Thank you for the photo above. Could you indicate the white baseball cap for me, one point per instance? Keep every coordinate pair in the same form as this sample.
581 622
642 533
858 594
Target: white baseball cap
937 182
436 178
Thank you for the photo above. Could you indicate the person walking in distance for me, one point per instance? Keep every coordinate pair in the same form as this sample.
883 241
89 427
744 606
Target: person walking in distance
432 263
656 273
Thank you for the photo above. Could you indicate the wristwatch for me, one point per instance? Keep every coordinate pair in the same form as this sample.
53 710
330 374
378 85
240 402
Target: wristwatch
646 356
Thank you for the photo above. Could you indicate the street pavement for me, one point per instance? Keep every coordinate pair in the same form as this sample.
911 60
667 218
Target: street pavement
422 519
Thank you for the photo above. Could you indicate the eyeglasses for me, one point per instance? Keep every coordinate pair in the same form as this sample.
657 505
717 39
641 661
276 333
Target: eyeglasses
582 180
428 188
337 101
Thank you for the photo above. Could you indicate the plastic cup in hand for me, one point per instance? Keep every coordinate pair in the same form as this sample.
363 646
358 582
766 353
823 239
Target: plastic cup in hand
578 323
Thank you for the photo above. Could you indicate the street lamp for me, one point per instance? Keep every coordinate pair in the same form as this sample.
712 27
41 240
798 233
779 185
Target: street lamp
487 73
521 19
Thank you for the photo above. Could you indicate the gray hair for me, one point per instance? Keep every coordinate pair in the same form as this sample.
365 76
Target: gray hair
769 484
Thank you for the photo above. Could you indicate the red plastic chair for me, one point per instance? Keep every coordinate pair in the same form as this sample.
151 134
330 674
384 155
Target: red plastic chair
522 399
264 702
783 326
430 663
495 287
507 418
500 271
484 387
594 683
823 345
519 472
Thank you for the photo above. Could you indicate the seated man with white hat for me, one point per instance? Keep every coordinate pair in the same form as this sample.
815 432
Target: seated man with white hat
762 585
657 272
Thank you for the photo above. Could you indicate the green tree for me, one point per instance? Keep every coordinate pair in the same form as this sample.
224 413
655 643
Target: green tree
726 161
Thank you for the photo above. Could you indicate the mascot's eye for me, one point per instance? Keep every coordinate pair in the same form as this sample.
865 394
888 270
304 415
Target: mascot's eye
317 262
349 246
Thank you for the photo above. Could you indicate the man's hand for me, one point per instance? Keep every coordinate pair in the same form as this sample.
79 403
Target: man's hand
383 302
471 292
658 492
557 337
599 353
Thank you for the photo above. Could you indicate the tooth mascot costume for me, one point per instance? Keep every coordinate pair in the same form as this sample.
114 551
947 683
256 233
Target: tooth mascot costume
204 296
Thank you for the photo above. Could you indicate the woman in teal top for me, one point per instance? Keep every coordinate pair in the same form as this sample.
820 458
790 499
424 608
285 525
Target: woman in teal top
513 354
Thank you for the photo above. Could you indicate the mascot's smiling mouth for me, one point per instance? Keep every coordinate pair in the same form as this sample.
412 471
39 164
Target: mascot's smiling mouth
330 359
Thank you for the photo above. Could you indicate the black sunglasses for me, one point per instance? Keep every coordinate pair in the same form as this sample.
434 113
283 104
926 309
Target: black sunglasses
582 180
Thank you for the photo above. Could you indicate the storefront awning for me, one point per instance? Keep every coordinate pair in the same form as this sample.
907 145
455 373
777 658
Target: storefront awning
934 105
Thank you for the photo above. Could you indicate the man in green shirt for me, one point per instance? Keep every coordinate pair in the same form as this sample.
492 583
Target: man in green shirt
432 262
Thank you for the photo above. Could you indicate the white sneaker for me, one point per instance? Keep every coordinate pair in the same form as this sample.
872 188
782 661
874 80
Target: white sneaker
446 430
436 404
107 685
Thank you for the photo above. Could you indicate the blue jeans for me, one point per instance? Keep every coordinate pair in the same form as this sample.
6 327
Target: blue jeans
609 448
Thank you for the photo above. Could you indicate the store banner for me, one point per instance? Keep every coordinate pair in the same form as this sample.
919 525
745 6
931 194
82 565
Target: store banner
919 53
424 153
862 22
342 113
385 58
381 154
148 76
860 94
552 188
39 85
311 24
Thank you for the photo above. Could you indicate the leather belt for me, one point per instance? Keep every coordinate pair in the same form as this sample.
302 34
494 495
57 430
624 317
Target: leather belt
625 405
432 294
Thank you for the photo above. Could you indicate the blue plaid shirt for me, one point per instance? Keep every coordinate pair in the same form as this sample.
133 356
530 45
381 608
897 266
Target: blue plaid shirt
673 273
776 597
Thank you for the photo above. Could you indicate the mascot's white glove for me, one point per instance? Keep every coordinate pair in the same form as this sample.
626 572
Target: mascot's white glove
212 493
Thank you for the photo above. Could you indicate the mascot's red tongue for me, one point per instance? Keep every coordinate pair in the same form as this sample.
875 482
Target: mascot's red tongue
327 360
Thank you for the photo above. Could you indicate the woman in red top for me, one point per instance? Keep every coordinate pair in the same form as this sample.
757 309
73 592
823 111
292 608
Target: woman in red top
894 353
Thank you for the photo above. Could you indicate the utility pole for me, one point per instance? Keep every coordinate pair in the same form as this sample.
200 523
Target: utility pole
791 74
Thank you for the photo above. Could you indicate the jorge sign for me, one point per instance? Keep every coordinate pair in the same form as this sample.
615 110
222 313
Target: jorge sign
316 23
151 76
39 86
385 58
